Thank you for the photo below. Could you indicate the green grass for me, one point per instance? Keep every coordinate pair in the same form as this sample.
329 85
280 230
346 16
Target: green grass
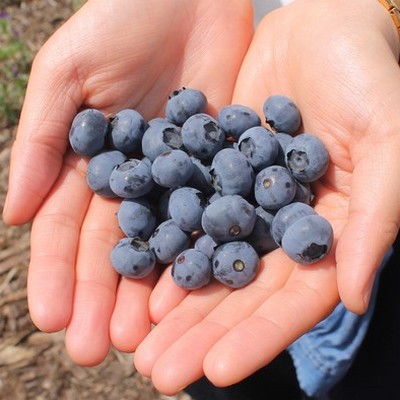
76 4
15 62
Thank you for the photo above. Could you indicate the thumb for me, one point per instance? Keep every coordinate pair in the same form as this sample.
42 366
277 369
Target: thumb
373 218
51 101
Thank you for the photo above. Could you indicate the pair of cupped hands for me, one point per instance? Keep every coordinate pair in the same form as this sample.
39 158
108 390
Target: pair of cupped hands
337 60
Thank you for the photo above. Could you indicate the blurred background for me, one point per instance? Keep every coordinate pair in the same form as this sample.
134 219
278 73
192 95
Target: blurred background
34 365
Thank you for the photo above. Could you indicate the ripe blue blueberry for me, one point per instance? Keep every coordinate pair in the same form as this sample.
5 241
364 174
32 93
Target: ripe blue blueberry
235 264
206 244
186 206
172 168
183 103
304 193
202 136
191 270
274 187
163 205
214 196
229 218
136 218
167 241
201 178
161 135
127 129
283 140
260 146
99 171
286 216
232 173
282 114
308 240
132 258
132 178
88 132
235 119
306 157
261 236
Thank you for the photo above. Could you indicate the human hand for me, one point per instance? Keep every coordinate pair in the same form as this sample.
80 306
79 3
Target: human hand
338 61
109 56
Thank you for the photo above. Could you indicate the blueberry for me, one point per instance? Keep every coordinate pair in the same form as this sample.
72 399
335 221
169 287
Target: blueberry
229 218
132 179
132 258
274 187
184 103
235 264
172 168
206 244
167 241
191 269
282 114
127 129
161 135
214 196
136 218
304 193
88 132
283 140
308 240
202 136
261 236
163 205
155 194
201 178
186 206
232 173
306 157
99 171
286 216
158 120
234 119
260 146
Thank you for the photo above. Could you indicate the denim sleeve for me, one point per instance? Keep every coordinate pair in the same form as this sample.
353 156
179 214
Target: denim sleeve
323 355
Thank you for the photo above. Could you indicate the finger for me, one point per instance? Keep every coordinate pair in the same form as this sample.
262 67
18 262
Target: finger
374 209
130 322
374 217
279 321
54 241
182 363
189 312
165 297
87 336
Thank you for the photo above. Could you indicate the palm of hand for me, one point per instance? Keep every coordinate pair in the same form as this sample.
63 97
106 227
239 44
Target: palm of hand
111 55
227 334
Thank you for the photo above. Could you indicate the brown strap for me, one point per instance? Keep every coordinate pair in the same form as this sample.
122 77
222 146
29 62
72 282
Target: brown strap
393 6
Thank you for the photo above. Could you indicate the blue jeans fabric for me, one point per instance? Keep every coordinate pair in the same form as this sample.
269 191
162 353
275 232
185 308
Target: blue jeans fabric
323 355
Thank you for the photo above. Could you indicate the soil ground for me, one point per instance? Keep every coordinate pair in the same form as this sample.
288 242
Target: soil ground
33 364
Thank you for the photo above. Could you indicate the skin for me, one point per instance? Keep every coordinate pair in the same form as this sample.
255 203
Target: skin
341 70
100 59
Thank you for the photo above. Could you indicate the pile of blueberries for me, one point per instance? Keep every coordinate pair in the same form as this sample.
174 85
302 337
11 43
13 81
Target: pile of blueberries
210 195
